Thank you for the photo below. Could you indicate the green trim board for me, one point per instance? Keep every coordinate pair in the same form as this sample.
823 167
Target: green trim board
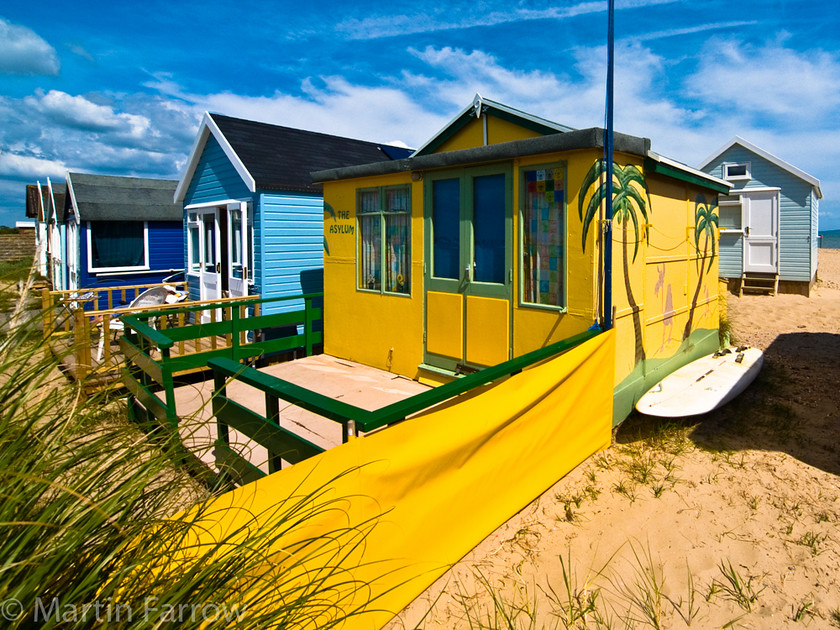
662 168
367 420
650 371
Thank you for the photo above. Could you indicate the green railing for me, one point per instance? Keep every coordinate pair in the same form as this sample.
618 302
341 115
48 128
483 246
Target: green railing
284 445
154 357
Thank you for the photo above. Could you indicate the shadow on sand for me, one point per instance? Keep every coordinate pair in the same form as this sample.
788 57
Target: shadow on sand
793 407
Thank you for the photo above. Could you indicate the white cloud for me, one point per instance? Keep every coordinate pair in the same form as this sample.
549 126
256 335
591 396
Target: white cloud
22 51
768 80
14 166
426 21
80 113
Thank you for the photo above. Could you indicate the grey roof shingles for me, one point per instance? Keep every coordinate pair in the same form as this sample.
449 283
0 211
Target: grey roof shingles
282 158
111 198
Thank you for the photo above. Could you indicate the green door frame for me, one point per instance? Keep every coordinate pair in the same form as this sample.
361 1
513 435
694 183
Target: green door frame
464 284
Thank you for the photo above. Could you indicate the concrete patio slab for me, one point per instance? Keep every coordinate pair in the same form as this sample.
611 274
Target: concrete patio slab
350 382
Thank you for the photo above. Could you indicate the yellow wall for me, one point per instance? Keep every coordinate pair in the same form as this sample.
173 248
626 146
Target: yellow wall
386 331
498 130
365 326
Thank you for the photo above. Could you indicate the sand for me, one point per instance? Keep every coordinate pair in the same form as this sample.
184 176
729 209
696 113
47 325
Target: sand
730 518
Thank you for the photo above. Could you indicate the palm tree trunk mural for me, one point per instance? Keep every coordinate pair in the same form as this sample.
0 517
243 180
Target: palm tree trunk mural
637 320
705 222
630 202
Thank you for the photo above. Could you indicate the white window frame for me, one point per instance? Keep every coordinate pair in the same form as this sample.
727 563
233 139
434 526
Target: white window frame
732 178
144 267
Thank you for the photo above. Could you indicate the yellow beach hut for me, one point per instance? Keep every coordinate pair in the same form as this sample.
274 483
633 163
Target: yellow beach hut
487 243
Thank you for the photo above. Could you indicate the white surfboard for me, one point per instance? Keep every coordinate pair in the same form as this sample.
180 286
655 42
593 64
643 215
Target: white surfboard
703 385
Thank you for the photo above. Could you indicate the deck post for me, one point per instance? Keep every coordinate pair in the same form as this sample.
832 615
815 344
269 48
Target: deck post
272 414
234 333
307 328
81 343
47 312
168 385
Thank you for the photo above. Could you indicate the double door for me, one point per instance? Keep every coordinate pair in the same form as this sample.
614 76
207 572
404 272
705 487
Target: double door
219 250
468 279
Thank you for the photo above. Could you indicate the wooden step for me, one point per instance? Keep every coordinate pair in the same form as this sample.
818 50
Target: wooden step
760 283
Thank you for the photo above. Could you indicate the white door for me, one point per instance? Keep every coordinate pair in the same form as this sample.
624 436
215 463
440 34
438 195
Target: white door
761 228
211 269
237 247
73 255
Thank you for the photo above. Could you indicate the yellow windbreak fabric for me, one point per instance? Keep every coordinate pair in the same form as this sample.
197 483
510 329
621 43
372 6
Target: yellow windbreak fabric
426 491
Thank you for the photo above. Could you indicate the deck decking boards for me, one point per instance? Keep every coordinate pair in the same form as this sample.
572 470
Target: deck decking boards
356 384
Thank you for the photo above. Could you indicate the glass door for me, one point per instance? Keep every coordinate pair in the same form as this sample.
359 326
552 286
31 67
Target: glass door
468 270
209 264
237 246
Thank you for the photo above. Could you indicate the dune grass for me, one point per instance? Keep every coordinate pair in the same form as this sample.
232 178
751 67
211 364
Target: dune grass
94 530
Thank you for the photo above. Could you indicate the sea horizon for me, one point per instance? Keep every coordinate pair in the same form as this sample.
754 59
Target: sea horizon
830 239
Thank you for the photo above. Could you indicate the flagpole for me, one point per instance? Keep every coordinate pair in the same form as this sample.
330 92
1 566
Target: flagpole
607 231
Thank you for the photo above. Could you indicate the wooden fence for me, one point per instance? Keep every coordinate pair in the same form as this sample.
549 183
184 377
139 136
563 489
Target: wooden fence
191 335
285 446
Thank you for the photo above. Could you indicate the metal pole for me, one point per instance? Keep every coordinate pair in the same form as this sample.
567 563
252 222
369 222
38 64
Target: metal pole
607 233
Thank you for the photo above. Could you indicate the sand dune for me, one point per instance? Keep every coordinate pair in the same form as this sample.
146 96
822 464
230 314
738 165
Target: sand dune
731 516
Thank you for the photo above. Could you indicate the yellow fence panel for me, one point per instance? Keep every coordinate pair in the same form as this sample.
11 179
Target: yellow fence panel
437 484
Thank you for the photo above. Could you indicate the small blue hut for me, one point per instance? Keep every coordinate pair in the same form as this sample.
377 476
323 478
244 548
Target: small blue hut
253 219
768 221
120 231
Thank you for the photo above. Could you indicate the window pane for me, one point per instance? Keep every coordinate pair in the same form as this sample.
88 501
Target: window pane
489 228
236 243
736 170
368 201
446 220
195 262
543 224
210 243
370 235
730 216
398 254
117 244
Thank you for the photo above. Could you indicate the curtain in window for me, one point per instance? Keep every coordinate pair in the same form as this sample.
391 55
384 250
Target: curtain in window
398 238
543 238
370 231
117 244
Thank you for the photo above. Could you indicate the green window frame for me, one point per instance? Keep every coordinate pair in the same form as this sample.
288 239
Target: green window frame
542 236
383 226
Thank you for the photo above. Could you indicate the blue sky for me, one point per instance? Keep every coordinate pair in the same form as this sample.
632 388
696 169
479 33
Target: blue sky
120 87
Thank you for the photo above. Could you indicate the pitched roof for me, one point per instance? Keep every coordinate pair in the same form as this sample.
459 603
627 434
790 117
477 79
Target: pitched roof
272 157
593 138
481 105
813 181
107 197
33 201
50 201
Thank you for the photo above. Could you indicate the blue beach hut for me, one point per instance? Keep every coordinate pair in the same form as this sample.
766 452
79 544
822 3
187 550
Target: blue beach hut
120 231
768 222
253 219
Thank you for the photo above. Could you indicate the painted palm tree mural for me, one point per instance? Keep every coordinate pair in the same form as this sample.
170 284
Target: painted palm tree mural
705 222
630 206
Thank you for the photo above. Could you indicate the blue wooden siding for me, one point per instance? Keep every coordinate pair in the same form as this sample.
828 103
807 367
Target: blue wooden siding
796 216
731 258
289 259
215 178
815 228
166 255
